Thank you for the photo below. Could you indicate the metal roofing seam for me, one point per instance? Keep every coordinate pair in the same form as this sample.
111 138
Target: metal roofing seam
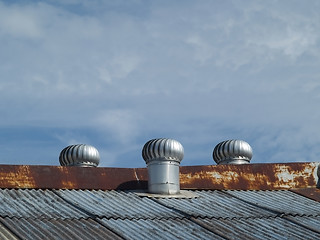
285 202
35 203
57 229
82 204
45 218
214 204
310 221
293 220
160 229
6 232
116 204
276 228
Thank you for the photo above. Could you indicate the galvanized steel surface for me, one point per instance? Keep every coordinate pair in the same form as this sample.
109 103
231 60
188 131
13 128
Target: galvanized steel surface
280 202
232 152
261 228
166 148
163 177
117 204
91 214
5 233
81 155
215 204
58 229
163 157
311 193
308 221
159 229
31 203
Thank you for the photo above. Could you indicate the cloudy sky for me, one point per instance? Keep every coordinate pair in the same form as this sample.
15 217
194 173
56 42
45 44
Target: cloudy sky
115 74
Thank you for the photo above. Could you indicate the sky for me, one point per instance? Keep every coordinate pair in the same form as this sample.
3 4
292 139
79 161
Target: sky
115 74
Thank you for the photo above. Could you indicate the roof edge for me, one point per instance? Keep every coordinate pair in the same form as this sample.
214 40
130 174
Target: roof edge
261 176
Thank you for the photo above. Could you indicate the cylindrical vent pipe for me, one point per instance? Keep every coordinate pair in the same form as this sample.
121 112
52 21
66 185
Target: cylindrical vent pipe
163 157
81 155
232 152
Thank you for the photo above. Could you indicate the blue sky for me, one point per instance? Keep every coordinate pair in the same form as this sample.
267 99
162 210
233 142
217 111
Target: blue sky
115 74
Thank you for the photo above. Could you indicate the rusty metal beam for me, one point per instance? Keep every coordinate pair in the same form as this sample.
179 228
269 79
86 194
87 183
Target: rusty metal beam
56 177
250 176
232 177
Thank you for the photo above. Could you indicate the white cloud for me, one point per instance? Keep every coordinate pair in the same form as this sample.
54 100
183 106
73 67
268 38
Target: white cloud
17 21
121 124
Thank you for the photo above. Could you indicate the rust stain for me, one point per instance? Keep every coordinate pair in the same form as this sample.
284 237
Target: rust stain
250 176
237 177
18 177
68 185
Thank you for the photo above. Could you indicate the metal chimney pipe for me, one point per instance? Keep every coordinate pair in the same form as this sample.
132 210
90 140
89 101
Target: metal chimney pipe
232 152
163 157
81 155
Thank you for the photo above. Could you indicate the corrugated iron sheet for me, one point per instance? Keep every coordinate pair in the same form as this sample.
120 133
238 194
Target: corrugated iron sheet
159 229
215 204
312 193
282 202
81 229
5 233
260 228
308 221
117 204
97 214
31 203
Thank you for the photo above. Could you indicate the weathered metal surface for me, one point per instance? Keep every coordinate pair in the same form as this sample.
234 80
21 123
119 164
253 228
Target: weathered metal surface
159 229
56 177
215 204
116 204
242 177
27 228
182 194
310 222
65 204
260 228
283 202
5 233
312 193
250 176
213 214
31 203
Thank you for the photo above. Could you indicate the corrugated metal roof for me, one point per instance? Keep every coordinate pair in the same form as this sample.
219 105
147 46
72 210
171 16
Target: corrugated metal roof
97 214
281 202
5 233
114 212
215 204
159 229
31 203
260 228
117 204
27 228
308 221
